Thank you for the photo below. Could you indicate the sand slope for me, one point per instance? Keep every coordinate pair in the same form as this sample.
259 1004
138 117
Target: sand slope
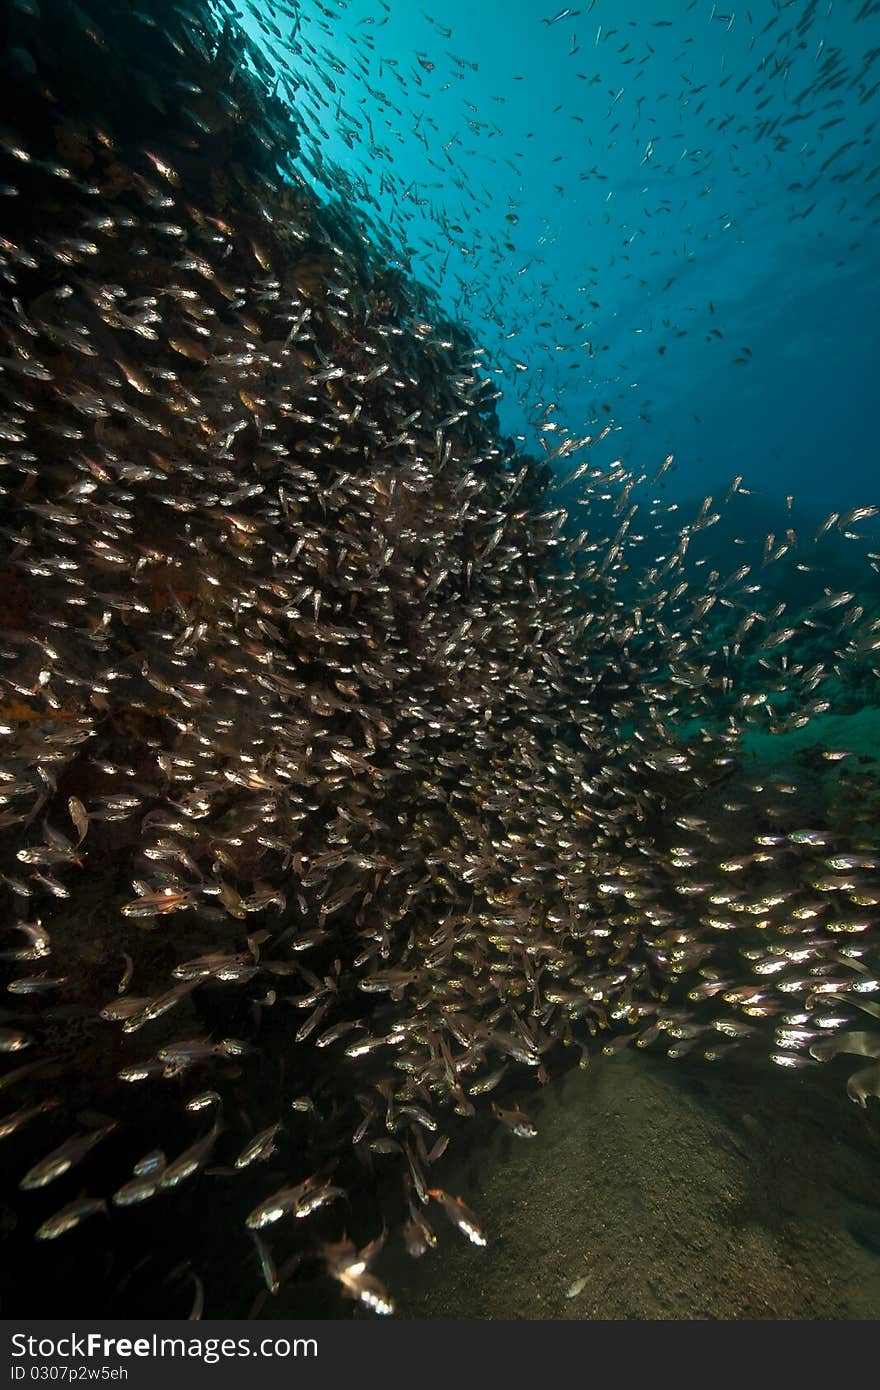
697 1193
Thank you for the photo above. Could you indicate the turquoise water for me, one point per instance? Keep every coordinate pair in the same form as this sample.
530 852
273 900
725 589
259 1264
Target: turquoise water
666 213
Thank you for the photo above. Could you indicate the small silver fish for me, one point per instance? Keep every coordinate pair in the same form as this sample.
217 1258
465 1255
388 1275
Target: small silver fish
70 1216
260 1148
62 1159
10 1123
190 1161
516 1121
279 1204
460 1215
138 1189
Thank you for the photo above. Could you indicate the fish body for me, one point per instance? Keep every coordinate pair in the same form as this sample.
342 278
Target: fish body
260 1148
460 1215
62 1159
70 1216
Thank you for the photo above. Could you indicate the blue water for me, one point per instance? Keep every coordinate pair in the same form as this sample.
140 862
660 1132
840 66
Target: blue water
627 219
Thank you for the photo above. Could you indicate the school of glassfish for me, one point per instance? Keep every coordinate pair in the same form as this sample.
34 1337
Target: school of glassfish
349 783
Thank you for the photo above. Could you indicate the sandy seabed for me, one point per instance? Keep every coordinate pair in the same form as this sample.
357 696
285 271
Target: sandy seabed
661 1191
